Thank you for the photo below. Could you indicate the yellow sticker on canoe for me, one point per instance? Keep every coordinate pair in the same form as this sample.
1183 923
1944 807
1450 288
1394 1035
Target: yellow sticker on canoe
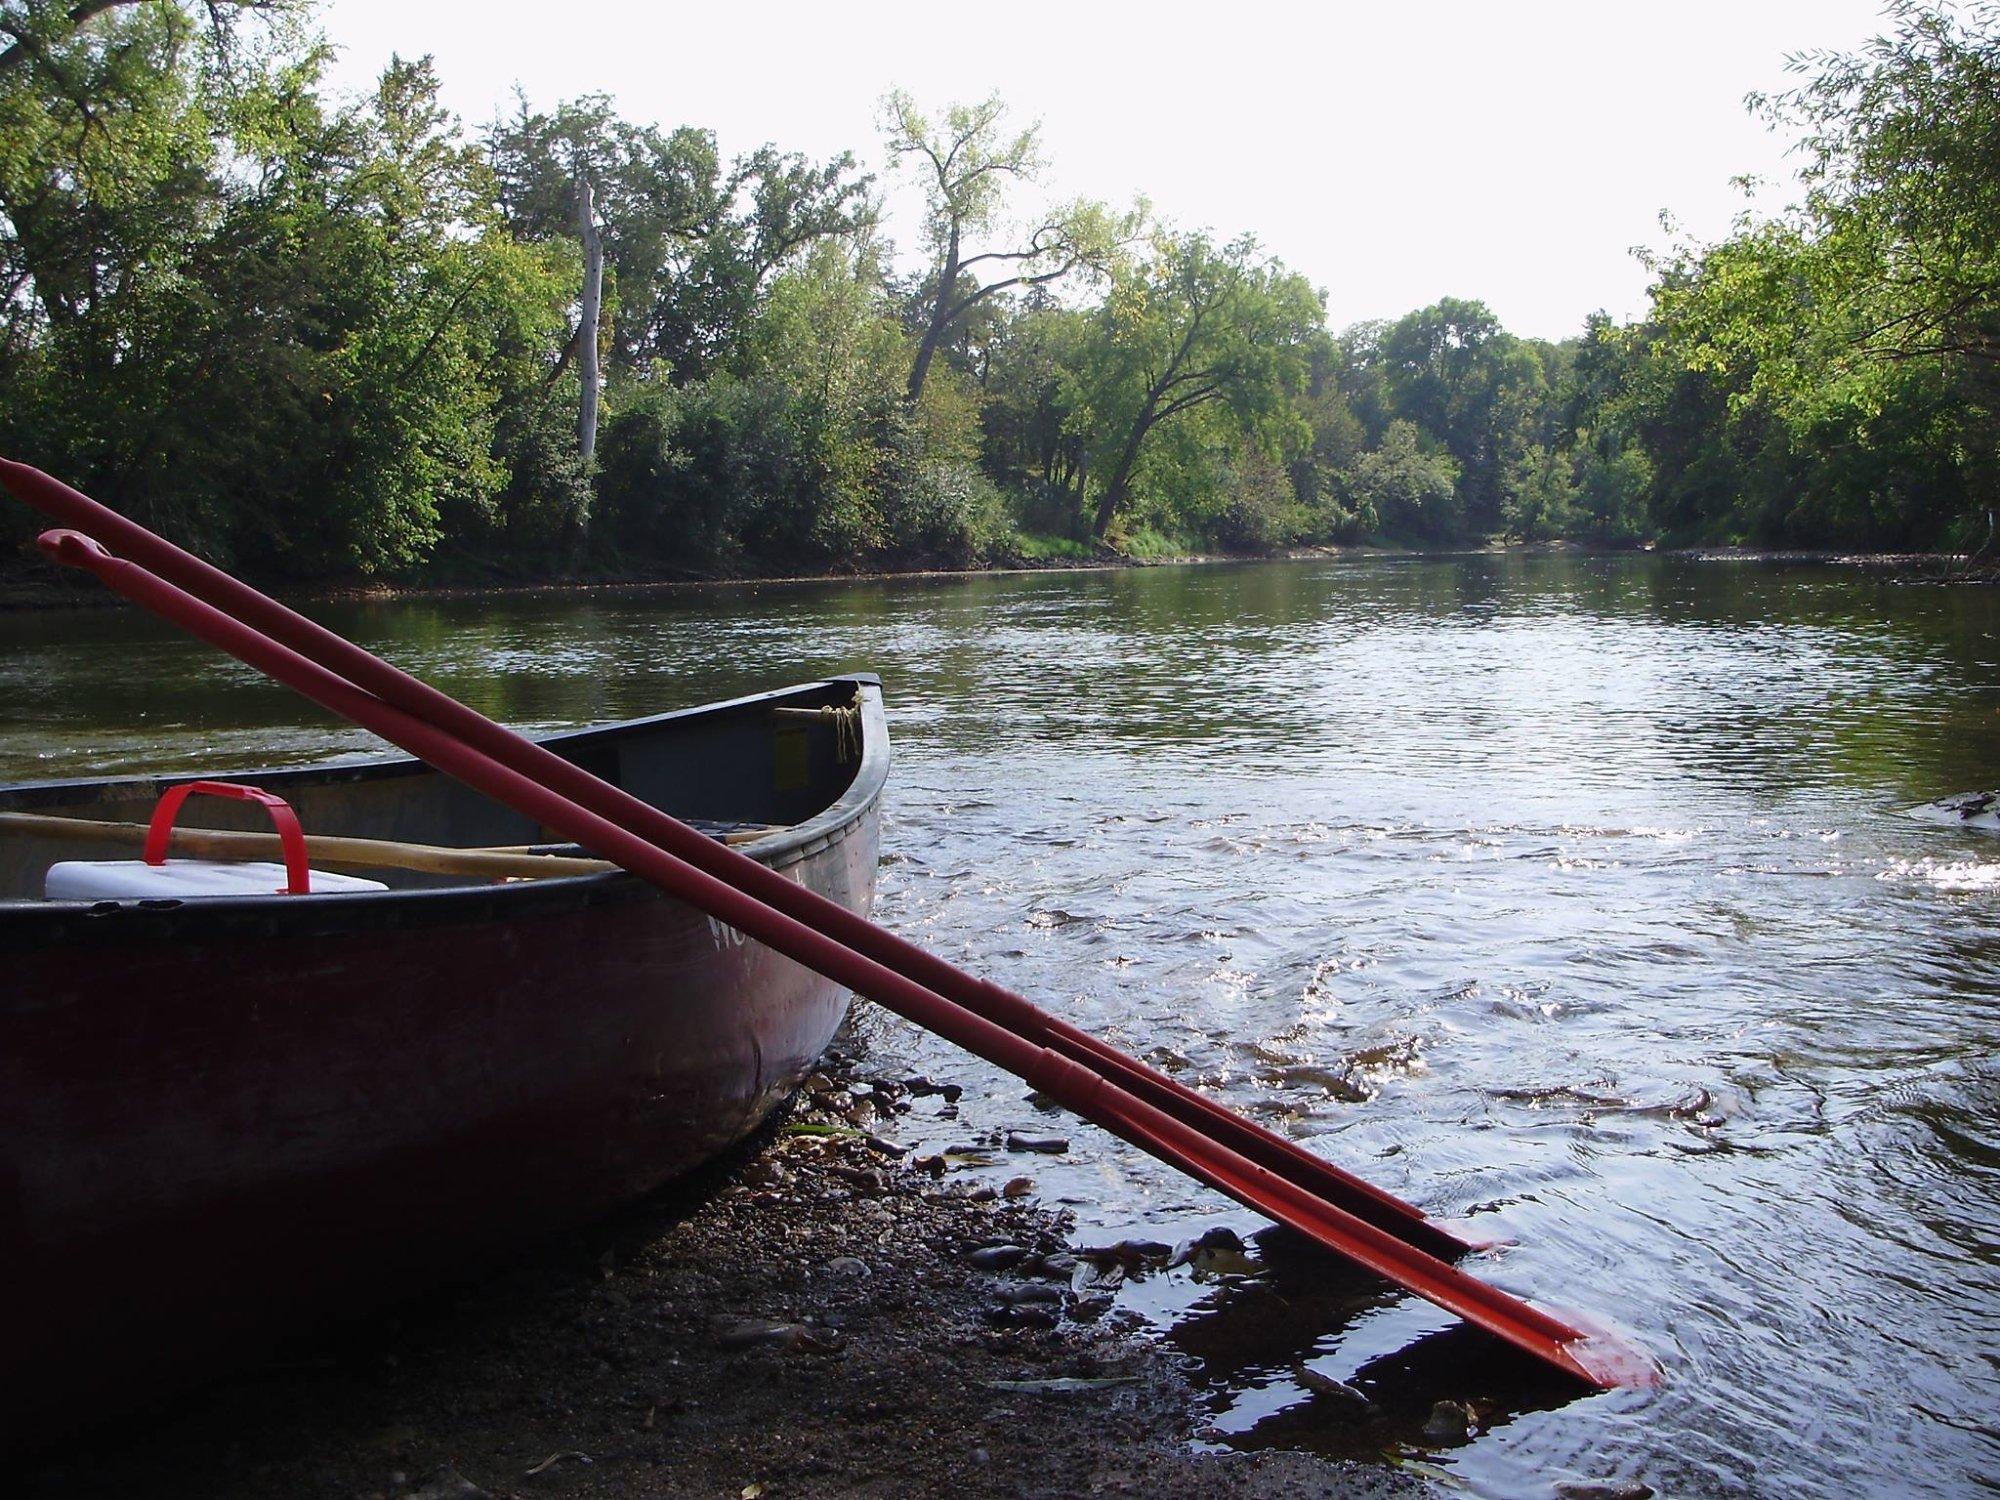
791 767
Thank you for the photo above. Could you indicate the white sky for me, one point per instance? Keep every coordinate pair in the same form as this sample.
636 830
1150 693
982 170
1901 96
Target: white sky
1512 150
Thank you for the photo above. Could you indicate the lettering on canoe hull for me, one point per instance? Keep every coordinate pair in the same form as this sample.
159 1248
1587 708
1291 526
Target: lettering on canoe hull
726 937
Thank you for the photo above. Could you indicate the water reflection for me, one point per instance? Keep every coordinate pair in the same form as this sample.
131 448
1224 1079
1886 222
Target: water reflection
1279 1348
1572 895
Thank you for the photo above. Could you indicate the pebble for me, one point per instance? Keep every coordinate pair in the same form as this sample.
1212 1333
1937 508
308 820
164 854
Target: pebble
1090 1277
997 1257
1050 1145
1220 1237
1008 1315
871 1180
848 1265
1023 1293
449 1484
1448 1423
1128 1252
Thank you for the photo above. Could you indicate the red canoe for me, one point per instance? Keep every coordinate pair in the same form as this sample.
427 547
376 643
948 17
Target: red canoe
222 1117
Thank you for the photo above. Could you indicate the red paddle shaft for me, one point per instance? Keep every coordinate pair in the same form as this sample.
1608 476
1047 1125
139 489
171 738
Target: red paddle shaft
1005 1008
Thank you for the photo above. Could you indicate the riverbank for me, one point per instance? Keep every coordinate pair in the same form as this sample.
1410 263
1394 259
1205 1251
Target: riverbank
819 1316
58 591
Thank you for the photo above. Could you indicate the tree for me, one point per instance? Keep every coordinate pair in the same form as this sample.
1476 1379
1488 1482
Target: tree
329 277
589 315
1031 437
1192 326
1541 501
41 30
1903 199
965 163
1410 492
1470 386
690 244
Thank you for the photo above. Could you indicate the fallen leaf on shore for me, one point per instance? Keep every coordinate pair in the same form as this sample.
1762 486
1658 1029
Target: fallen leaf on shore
556 1458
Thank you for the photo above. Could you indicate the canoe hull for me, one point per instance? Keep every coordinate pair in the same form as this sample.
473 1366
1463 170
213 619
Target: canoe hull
203 1144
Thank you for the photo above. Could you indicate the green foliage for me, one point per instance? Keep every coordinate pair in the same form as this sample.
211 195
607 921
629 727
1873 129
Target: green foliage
691 244
294 345
327 338
1542 496
1412 493
1191 330
1834 376
964 162
1034 547
1149 544
1471 388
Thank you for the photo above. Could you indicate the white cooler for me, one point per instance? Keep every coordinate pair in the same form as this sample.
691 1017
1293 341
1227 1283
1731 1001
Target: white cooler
182 880
157 878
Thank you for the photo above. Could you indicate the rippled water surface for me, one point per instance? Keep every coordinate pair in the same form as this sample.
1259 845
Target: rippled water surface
1572 895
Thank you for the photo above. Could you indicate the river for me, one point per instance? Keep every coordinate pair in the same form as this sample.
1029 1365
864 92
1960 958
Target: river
1574 895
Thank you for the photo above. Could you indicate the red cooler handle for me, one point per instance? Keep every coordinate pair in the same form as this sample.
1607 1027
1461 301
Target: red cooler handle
298 877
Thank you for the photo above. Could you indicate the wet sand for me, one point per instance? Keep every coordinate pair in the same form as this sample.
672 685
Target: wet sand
811 1317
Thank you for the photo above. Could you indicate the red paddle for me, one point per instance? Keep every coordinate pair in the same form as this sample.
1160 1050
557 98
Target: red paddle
1084 1075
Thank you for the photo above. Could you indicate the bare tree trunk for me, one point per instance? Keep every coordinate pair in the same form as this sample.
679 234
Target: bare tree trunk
1082 472
940 319
587 332
1113 498
926 351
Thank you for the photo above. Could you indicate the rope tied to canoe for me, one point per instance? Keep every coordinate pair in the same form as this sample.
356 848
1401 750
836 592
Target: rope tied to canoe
846 724
844 719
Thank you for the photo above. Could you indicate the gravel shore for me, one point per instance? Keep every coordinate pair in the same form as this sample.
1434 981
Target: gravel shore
818 1315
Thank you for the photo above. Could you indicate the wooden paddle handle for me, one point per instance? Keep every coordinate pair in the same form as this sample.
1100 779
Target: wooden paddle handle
361 854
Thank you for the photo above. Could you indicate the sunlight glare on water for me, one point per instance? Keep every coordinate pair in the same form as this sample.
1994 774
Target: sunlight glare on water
1572 896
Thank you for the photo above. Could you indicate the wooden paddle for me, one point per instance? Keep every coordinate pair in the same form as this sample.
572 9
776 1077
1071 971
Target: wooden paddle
323 849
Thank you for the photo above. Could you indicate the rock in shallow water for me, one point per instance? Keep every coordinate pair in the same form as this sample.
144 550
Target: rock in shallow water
1051 1145
1448 1423
1326 1385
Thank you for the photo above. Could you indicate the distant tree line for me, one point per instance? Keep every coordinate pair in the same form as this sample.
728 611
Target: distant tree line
329 338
